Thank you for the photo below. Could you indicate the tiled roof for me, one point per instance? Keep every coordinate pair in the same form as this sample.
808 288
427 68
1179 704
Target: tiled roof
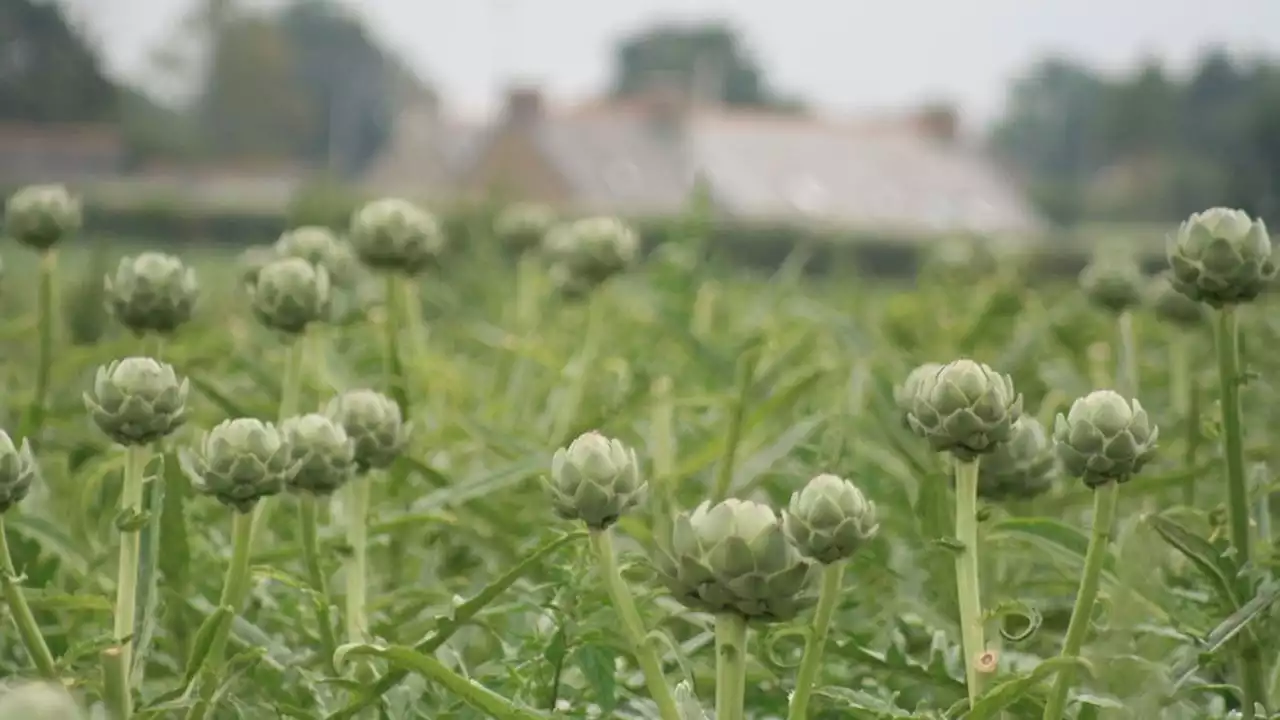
425 154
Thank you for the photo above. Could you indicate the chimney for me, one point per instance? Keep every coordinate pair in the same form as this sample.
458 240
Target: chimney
524 105
940 121
666 104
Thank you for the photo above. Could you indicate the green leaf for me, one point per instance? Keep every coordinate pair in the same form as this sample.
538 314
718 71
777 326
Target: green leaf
1217 568
1010 691
597 665
1221 634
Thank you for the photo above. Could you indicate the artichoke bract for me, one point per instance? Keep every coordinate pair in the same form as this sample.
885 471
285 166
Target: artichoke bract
323 456
152 292
41 216
1113 284
1104 438
966 409
1021 468
289 294
1174 307
38 701
1221 257
374 423
18 471
523 226
829 519
596 479
239 462
394 235
320 247
734 558
593 249
905 394
137 400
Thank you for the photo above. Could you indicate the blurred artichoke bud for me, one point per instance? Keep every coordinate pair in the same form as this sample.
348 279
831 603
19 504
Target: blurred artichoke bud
734 557
322 248
41 216
323 456
1104 438
239 462
1221 257
152 292
374 424
829 519
596 479
1113 284
290 294
1021 468
594 249
251 262
1172 306
522 226
18 471
396 236
38 701
137 400
905 394
966 409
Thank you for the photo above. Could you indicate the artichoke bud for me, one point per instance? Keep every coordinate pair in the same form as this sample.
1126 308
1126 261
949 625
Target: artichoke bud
1021 468
1221 257
395 235
966 409
152 292
1104 438
38 701
596 479
321 453
290 294
40 216
322 248
239 462
18 471
374 424
594 249
904 395
523 226
1172 306
734 557
137 400
829 519
1113 284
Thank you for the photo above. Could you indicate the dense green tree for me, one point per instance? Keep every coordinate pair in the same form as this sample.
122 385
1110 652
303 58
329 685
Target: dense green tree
47 71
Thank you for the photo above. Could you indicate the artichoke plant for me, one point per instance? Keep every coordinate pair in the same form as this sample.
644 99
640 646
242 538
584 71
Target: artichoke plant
374 423
322 248
1113 283
152 292
523 226
137 400
966 409
1172 306
904 395
1104 438
1221 257
596 479
239 462
41 216
18 471
394 235
589 251
321 453
1021 468
734 558
829 519
289 294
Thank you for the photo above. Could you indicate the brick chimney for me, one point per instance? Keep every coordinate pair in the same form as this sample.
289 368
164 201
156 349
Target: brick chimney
524 105
940 121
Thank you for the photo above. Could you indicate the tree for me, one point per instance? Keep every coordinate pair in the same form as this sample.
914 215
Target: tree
47 72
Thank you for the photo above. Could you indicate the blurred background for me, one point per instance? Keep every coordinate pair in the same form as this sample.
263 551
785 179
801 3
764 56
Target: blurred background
223 121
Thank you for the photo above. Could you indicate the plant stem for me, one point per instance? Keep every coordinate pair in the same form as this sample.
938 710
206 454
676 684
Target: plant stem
135 460
662 440
811 663
356 508
746 372
28 629
1128 351
45 318
1104 513
308 511
290 393
731 666
633 625
234 589
115 683
968 589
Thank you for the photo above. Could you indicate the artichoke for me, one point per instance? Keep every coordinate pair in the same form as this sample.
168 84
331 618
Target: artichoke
152 292
1172 306
1113 284
523 226
41 216
829 519
1021 468
239 462
374 423
596 479
1104 438
290 294
966 409
322 248
904 395
18 471
323 456
1221 257
594 249
395 235
137 400
734 558
38 701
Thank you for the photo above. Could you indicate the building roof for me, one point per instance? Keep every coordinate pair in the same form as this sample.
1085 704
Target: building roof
425 154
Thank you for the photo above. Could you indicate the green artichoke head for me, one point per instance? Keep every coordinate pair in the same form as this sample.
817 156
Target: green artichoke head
322 248
1021 468
1173 307
38 701
239 462
137 400
905 394
734 557
594 249
152 292
523 226
829 519
1113 283
966 409
596 479
374 423
1104 438
394 235
41 216
1221 257
322 455
290 294
18 471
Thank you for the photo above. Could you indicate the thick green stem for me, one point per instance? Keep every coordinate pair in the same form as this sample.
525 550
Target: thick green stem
633 625
1128 352
290 395
46 318
135 460
28 629
731 667
234 589
308 513
356 510
1104 514
811 663
968 588
115 683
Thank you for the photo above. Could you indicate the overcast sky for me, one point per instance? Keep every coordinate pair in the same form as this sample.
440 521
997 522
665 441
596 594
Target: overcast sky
843 55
